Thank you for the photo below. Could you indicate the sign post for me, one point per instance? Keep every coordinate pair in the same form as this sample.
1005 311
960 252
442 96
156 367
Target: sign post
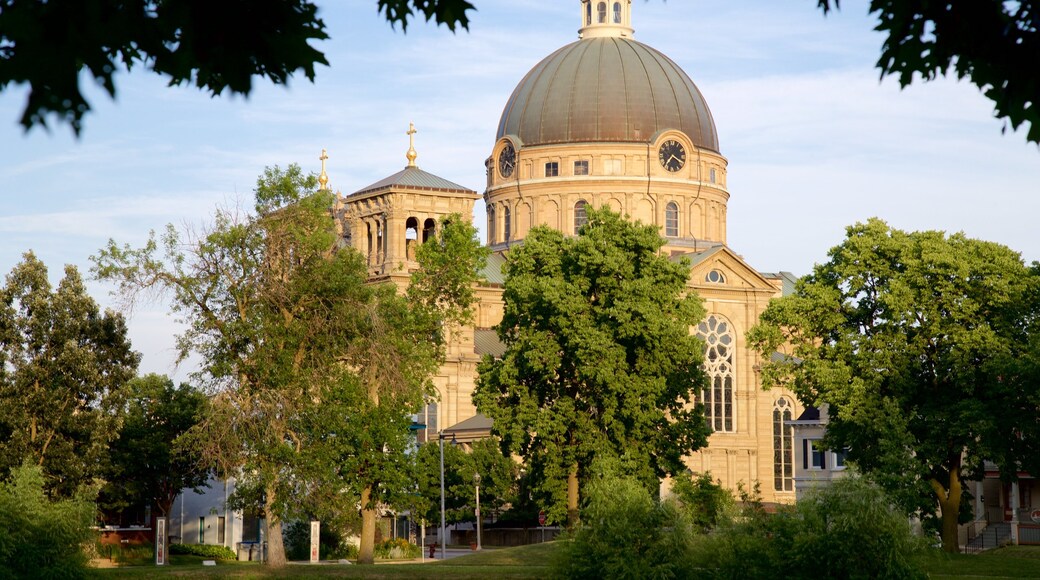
541 523
315 536
160 541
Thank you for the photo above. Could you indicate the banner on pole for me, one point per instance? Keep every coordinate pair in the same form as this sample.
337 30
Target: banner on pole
160 541
315 534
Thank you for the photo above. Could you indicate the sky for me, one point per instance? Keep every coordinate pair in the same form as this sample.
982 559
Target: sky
815 140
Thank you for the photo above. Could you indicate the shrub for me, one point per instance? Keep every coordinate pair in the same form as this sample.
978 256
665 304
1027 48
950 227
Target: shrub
626 533
204 550
397 549
41 538
705 502
846 530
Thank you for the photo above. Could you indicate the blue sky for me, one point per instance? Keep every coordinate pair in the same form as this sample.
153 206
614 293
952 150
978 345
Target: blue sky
815 142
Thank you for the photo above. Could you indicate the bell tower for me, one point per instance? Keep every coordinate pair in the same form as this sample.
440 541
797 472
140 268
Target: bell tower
606 18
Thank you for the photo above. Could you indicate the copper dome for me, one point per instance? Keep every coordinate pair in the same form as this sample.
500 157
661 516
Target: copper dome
606 89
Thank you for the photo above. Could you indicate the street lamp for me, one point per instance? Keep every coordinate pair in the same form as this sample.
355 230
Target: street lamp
476 482
453 442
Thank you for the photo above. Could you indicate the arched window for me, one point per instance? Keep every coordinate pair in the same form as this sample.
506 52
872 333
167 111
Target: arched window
617 13
580 217
588 13
507 226
491 224
783 446
671 220
429 230
717 334
601 12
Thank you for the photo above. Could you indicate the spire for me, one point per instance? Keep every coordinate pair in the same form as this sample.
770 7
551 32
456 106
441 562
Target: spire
411 155
323 179
606 18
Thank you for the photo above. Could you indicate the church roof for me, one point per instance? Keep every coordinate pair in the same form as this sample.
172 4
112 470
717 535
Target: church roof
493 272
486 341
415 179
477 422
606 89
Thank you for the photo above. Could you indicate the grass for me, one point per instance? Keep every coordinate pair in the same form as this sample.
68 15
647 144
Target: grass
522 562
532 561
1009 562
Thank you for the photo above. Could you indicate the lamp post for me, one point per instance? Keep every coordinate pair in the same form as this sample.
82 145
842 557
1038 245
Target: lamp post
442 536
476 482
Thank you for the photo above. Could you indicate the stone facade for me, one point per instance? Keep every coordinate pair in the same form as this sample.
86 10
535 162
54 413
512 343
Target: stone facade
627 150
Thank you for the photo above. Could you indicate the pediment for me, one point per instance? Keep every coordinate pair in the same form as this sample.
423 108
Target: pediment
735 272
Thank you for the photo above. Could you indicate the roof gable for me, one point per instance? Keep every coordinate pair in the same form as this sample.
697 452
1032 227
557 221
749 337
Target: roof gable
737 273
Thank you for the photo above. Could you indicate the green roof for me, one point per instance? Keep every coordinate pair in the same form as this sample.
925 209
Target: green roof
493 271
415 178
485 341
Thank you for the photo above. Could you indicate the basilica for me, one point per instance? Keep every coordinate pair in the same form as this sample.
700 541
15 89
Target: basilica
603 121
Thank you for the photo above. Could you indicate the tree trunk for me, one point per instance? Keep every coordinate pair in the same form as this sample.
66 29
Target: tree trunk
950 506
366 552
273 532
572 498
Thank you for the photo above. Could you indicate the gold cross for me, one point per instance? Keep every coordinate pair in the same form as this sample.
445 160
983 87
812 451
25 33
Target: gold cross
412 155
323 179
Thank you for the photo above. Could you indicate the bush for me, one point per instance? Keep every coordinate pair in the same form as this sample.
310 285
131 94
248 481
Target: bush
705 502
41 538
626 533
204 550
399 549
846 530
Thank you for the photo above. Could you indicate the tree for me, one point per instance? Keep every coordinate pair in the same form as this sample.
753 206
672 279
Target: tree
146 466
217 46
498 480
599 358
995 44
270 304
315 371
42 537
400 343
911 338
64 365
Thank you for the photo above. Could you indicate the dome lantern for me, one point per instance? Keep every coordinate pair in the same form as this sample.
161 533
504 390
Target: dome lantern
601 18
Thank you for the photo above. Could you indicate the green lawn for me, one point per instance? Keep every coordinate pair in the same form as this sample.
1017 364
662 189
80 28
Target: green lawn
507 563
1010 562
532 562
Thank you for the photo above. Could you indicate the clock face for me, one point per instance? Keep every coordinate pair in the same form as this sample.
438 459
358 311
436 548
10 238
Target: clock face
672 155
507 160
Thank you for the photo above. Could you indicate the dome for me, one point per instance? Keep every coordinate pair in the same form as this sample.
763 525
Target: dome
606 89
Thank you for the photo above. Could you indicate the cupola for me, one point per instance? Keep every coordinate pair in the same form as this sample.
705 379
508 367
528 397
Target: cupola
606 18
